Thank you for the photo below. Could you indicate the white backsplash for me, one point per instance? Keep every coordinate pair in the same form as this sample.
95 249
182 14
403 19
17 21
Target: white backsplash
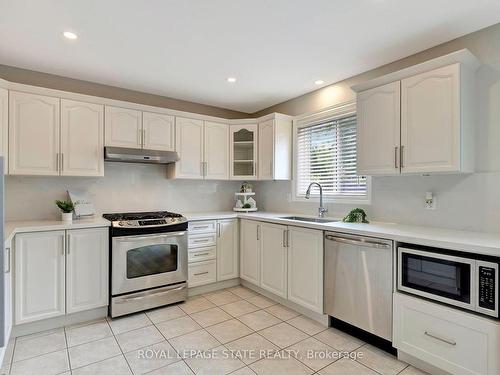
125 187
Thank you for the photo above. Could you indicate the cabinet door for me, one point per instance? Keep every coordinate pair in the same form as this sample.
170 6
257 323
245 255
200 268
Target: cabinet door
250 251
266 150
33 134
82 139
189 145
430 121
273 261
216 151
158 131
40 276
243 151
86 269
305 268
227 249
4 132
8 288
123 127
378 137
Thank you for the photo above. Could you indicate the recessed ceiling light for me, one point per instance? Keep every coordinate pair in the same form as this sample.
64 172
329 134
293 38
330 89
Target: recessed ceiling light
70 35
319 82
231 79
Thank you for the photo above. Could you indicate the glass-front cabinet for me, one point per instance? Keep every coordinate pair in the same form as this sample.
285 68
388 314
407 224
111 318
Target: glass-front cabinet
244 152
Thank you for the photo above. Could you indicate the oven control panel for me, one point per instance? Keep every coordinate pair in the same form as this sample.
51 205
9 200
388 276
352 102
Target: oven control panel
487 287
152 222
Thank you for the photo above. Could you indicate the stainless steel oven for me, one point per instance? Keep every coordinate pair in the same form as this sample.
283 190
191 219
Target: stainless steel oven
467 281
148 261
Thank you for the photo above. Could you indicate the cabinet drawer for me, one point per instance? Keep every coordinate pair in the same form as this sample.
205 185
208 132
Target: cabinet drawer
208 226
452 340
202 273
202 253
202 240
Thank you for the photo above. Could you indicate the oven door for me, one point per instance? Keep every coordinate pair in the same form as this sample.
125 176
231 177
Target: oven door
143 262
436 276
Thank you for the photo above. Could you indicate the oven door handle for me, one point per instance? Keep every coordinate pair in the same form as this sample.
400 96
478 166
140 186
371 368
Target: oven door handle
146 295
149 237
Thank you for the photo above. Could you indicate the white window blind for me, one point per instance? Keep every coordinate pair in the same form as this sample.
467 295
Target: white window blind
326 153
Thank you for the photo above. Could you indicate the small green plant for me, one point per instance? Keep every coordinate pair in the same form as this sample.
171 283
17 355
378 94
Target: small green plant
358 215
247 205
65 206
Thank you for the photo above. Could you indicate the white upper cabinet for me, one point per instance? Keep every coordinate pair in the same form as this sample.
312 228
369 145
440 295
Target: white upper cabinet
123 127
430 121
158 131
82 139
275 149
86 269
189 145
4 128
422 122
216 151
378 116
33 134
243 152
227 249
39 277
273 259
250 251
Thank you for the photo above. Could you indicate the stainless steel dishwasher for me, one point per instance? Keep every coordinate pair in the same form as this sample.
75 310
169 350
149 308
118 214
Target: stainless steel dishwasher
359 283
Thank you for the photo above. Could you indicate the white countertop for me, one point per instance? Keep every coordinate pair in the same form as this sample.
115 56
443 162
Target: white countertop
13 227
467 241
474 242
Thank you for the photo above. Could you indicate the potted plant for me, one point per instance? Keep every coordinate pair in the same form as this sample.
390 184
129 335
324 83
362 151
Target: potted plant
66 208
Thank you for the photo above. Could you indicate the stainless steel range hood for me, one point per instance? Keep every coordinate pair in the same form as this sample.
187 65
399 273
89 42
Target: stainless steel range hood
137 155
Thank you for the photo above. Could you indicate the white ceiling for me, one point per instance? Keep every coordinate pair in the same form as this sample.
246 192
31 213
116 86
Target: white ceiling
187 48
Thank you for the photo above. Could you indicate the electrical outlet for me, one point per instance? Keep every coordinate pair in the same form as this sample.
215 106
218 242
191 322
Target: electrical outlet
430 201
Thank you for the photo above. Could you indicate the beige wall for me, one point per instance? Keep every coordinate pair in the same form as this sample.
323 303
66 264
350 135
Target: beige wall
30 77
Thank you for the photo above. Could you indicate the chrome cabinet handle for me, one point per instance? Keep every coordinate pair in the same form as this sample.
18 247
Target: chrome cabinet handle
67 244
364 243
396 157
287 238
143 137
62 162
401 156
200 241
218 230
57 162
200 254
284 238
258 232
7 264
201 273
445 340
200 227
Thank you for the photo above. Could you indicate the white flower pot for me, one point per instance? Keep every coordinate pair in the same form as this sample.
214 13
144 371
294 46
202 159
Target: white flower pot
67 217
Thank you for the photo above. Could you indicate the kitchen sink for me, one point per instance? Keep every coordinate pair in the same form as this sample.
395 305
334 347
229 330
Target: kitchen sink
310 219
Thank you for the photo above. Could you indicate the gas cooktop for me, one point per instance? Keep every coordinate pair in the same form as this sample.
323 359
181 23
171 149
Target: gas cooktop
144 219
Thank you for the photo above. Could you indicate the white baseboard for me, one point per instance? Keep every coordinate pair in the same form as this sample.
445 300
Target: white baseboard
60 321
320 318
212 287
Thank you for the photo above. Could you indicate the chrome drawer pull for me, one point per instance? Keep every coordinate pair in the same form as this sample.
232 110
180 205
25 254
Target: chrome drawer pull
199 254
204 240
202 227
201 273
447 341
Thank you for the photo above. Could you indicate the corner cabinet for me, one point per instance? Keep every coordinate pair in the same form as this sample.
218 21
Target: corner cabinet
250 251
60 272
419 124
244 151
227 249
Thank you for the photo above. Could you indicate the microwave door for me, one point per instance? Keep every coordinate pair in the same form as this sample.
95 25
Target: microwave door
436 276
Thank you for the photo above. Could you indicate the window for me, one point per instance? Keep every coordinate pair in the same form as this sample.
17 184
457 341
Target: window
325 150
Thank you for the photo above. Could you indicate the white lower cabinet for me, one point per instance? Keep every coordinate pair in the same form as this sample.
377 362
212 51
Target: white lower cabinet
250 251
86 269
54 277
201 273
8 287
305 268
452 340
227 249
39 277
273 259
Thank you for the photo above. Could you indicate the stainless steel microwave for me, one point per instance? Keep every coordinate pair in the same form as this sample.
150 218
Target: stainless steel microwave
465 281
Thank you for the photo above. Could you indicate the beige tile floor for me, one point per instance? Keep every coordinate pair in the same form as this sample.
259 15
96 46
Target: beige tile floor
197 337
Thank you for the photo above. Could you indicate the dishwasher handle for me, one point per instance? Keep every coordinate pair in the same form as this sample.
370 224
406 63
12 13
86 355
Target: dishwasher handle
358 242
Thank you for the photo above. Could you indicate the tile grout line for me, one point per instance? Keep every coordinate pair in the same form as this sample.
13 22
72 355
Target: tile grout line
67 350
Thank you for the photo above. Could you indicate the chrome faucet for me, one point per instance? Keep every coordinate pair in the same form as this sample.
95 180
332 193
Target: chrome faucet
321 210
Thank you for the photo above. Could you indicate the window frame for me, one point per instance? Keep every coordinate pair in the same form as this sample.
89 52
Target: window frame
310 119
